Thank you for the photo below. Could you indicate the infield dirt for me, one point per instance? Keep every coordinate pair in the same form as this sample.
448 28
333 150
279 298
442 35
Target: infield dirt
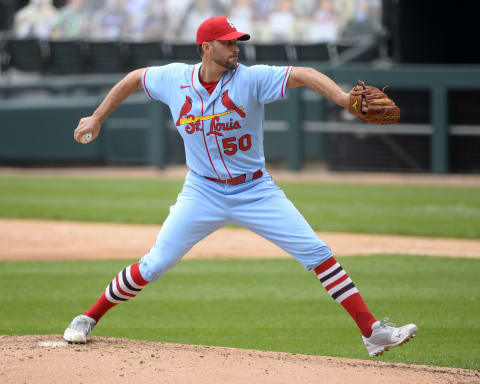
46 359
61 240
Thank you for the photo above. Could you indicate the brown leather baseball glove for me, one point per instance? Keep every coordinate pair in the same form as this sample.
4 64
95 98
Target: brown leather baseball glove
381 109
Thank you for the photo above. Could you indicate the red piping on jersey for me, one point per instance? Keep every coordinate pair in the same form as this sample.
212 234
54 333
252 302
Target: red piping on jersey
218 146
284 80
233 74
203 130
144 84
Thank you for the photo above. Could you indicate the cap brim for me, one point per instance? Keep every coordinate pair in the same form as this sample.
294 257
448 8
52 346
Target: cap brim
234 36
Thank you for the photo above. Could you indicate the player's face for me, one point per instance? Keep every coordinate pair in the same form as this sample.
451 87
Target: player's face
225 53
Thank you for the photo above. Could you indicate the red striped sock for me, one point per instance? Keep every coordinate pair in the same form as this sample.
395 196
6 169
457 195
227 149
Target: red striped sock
126 285
341 288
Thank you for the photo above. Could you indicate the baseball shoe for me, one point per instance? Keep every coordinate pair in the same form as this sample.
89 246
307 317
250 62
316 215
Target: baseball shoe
78 329
385 335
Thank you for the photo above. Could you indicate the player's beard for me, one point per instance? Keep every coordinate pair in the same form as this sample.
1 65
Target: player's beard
230 63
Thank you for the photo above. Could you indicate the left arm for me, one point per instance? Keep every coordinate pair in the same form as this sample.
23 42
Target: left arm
319 83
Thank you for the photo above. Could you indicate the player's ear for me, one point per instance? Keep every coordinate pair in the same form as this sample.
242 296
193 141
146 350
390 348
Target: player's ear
207 47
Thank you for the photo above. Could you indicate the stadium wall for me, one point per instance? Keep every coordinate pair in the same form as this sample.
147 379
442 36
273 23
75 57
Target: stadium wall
439 131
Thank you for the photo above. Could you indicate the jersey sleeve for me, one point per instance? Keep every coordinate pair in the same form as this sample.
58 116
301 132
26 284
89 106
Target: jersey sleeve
157 81
270 82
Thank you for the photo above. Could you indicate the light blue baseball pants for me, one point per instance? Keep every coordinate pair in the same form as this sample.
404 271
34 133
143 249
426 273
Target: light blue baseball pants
204 206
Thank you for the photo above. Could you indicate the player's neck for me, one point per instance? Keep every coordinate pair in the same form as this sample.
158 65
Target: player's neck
211 72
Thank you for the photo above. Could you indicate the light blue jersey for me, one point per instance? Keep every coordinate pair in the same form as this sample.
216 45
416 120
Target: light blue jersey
223 138
222 132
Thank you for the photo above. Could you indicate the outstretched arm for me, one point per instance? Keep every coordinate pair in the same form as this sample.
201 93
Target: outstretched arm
123 89
319 83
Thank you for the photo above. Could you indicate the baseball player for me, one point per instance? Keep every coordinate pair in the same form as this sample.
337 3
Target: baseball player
217 106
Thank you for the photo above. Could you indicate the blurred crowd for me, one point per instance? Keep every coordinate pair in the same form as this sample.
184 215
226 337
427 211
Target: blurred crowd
307 21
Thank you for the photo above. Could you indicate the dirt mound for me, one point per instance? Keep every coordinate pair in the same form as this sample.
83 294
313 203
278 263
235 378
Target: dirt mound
47 359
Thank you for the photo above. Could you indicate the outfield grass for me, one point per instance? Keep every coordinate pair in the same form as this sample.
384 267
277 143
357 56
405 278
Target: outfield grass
260 304
404 210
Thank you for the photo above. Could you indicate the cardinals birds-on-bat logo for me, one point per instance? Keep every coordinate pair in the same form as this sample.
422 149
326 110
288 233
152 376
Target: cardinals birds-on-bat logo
187 106
184 118
229 104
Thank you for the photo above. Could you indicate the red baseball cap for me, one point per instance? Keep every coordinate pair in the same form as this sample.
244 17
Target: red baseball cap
219 28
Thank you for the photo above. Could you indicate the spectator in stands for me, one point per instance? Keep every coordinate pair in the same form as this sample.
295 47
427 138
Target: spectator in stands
156 24
303 11
366 21
281 22
368 10
94 6
176 11
71 21
198 11
261 12
344 13
113 22
35 20
304 7
323 26
263 8
241 14
139 12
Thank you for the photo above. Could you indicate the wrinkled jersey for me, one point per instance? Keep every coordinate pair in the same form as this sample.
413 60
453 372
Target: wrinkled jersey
222 132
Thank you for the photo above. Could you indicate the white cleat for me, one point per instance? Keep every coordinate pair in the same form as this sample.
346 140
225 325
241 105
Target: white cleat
78 329
385 335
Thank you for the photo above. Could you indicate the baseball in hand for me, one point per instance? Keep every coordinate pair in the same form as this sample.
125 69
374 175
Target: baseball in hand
86 138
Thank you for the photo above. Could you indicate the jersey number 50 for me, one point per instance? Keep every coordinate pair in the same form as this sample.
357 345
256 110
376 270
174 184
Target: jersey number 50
230 145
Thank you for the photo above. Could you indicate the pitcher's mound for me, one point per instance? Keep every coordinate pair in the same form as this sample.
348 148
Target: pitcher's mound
48 359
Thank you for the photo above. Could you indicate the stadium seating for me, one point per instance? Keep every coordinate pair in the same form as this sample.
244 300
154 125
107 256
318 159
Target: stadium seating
183 52
142 53
107 57
348 52
189 53
3 56
319 52
5 14
247 53
272 52
67 57
28 55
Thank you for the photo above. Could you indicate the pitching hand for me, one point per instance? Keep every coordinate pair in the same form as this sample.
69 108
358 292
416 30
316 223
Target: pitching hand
87 125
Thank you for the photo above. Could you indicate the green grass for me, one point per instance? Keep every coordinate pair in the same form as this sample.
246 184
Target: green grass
393 209
261 304
405 210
